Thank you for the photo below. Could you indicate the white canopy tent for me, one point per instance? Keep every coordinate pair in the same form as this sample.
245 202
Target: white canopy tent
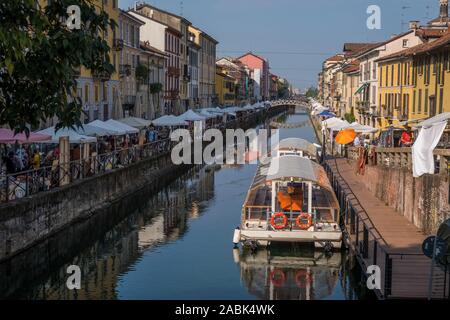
113 131
360 128
207 114
134 122
122 126
74 136
89 130
191 116
169 121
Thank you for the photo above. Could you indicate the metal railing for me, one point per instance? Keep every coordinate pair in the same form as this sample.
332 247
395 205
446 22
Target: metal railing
26 183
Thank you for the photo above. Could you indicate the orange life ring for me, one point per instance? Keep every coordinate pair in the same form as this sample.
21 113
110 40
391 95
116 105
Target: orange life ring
302 278
299 221
277 277
276 225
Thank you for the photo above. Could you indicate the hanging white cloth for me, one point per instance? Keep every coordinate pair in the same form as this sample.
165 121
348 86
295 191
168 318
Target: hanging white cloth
422 150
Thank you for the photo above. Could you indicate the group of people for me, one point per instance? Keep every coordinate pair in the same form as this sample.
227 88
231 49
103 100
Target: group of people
19 158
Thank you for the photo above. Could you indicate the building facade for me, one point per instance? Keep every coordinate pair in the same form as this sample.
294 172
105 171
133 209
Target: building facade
259 70
193 70
225 87
129 62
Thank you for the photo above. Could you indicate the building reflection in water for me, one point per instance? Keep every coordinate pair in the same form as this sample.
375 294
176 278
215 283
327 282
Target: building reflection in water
112 241
289 272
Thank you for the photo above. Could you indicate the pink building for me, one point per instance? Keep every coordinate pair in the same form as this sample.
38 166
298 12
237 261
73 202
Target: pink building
259 68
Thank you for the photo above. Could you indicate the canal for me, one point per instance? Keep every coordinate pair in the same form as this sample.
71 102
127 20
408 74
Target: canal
177 244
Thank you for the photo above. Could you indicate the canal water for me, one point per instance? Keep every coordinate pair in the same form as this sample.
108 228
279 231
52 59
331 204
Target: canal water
177 244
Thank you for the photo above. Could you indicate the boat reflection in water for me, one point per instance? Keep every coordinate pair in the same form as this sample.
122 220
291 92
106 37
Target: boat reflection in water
294 273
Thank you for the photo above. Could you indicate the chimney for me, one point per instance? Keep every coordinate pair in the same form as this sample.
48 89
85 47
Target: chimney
443 12
413 25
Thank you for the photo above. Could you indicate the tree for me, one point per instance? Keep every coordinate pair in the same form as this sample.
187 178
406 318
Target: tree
39 59
312 92
283 89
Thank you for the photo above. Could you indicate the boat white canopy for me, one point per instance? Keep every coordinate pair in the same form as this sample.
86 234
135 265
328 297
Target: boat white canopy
297 144
294 168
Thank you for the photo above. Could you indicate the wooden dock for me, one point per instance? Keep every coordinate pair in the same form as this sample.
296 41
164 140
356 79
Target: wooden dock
381 236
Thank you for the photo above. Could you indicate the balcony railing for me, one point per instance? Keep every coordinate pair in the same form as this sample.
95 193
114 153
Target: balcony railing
401 157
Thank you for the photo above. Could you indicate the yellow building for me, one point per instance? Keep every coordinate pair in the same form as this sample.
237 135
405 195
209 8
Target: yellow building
100 93
415 83
225 88
395 90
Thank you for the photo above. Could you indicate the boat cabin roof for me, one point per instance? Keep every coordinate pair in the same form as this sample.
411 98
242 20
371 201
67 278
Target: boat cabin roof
297 144
294 168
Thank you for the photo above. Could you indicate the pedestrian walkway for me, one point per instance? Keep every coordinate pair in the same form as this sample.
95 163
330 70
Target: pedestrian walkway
381 236
398 235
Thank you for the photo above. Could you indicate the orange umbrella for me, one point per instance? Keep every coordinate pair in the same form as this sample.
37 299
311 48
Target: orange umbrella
346 136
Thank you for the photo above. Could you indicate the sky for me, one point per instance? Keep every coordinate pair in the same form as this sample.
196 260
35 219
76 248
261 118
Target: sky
295 35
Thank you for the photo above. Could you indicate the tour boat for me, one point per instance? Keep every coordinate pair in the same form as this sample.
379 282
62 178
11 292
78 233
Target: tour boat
274 209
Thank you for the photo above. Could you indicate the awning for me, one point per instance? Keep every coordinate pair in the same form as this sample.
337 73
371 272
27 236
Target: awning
434 120
113 131
191 116
74 137
362 88
8 136
122 126
169 121
135 122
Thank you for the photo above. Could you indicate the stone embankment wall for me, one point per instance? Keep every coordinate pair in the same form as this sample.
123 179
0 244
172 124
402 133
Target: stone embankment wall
25 222
424 201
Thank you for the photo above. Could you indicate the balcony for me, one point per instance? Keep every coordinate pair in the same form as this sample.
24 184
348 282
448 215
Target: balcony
173 72
124 70
118 44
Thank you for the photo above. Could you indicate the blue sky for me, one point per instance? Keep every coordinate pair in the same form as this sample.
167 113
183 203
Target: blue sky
295 35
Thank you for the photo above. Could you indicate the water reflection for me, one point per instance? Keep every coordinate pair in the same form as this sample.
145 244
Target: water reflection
175 244
289 273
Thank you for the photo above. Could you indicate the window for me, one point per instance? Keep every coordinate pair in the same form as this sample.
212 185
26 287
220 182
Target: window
425 105
381 76
392 75
441 100
96 93
387 75
405 43
419 105
86 93
399 72
414 102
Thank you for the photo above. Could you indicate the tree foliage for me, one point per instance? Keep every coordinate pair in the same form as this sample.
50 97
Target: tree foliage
40 56
312 92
